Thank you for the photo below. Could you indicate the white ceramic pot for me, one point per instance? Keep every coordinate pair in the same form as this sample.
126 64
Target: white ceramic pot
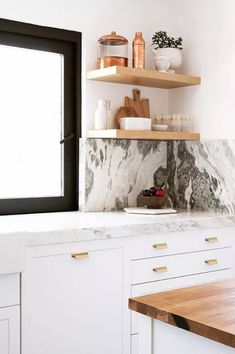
174 56
162 63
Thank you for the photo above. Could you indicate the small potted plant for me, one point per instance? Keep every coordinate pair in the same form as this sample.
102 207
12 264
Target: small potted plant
167 51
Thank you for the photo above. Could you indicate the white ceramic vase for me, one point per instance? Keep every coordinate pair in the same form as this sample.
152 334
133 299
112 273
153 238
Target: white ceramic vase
110 119
174 55
100 115
104 115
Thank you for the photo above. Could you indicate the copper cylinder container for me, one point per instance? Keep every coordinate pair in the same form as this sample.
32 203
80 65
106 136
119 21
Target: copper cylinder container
138 51
112 50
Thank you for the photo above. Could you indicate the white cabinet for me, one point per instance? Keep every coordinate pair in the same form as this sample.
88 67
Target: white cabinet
73 305
11 264
181 242
168 267
167 339
10 314
10 330
79 305
12 249
9 290
176 260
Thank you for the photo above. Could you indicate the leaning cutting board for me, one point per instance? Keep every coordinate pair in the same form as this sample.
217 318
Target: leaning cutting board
140 106
125 112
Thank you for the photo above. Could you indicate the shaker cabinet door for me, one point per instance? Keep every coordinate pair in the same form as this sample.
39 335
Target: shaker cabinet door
72 303
10 330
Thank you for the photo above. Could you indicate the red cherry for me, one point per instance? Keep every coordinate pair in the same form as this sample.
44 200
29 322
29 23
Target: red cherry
160 192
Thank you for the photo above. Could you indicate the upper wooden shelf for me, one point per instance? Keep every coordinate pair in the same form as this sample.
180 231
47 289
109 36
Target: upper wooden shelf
141 135
142 77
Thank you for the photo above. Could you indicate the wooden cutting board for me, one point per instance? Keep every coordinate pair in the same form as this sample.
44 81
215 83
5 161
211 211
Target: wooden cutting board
140 106
125 112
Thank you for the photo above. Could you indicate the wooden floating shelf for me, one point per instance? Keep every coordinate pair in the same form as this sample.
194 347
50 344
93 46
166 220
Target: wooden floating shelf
141 135
142 77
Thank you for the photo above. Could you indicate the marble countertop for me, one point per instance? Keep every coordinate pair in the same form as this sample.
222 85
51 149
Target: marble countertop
50 228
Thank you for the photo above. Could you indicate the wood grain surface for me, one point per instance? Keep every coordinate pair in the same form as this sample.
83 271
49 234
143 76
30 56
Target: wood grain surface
141 135
124 112
207 310
141 106
150 78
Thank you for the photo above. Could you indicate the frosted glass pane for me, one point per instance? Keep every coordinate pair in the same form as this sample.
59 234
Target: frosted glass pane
31 123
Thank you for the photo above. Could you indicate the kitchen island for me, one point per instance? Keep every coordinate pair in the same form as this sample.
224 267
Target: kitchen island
198 319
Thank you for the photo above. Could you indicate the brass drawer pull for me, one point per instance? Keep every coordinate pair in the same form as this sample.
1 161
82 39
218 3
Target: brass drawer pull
211 261
211 239
79 256
160 269
160 246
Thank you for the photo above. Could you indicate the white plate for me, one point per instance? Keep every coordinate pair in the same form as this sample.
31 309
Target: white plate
160 127
141 210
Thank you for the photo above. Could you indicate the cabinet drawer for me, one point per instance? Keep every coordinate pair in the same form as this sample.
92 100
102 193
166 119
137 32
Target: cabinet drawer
159 268
170 284
9 290
182 242
12 249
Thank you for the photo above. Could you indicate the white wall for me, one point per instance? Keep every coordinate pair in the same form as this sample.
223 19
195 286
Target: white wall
93 19
208 30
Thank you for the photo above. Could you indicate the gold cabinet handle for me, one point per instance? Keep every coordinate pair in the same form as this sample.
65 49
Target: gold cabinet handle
211 261
163 269
160 246
79 256
211 239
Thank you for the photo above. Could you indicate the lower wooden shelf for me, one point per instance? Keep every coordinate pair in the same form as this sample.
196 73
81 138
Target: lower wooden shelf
141 135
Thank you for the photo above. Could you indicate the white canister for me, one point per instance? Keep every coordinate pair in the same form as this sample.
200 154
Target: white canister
101 115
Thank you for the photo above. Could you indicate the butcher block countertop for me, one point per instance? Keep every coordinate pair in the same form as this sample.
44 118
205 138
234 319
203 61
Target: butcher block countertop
207 310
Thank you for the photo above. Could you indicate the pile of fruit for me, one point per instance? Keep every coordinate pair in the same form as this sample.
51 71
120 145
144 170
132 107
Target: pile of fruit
155 192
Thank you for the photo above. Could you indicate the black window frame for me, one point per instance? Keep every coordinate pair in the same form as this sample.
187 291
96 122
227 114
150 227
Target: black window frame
68 43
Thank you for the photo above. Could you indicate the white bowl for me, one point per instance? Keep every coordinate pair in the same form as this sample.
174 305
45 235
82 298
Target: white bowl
160 127
135 123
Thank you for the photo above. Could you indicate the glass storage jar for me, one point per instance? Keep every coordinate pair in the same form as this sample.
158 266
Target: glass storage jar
112 50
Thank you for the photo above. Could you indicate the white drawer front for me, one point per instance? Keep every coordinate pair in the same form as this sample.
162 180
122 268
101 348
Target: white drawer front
181 242
9 290
159 268
12 253
169 284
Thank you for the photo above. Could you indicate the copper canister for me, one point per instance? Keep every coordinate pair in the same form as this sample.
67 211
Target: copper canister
112 50
138 51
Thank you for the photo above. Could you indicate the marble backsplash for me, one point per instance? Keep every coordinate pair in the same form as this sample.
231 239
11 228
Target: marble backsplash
116 171
200 175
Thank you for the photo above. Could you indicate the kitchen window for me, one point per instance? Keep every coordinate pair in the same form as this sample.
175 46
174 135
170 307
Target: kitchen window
40 95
